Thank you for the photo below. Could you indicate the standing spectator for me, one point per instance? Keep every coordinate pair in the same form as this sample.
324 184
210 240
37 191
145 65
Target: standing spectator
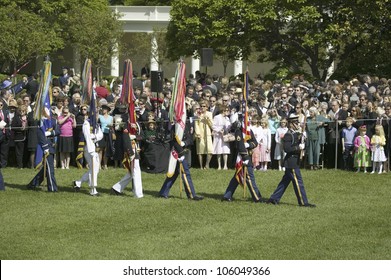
115 94
106 122
264 144
378 142
31 86
214 109
257 130
221 126
4 135
203 134
101 90
336 116
279 153
273 123
67 122
362 145
57 110
347 137
32 139
19 125
27 102
64 77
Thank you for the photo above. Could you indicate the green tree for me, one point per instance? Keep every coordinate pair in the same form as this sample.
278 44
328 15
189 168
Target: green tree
224 26
25 35
298 34
32 28
96 33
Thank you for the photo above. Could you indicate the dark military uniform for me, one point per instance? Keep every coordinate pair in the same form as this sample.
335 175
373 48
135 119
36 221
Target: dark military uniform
181 167
245 154
48 144
292 174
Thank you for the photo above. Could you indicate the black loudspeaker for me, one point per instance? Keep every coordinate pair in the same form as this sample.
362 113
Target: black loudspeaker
157 81
206 57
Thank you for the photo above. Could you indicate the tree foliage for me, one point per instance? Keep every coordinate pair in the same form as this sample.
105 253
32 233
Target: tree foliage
32 28
300 34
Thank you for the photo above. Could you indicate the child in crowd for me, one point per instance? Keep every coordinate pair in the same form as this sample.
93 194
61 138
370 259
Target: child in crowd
256 128
264 145
378 142
361 145
348 135
279 153
150 132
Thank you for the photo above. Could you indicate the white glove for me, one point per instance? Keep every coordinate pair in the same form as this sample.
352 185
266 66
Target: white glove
246 161
246 145
48 133
132 137
183 143
46 151
301 146
181 158
2 124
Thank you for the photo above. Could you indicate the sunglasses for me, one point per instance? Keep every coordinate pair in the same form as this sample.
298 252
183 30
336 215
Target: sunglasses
203 106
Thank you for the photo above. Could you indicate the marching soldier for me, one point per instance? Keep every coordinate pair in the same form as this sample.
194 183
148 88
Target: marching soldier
179 148
293 146
244 174
132 164
46 134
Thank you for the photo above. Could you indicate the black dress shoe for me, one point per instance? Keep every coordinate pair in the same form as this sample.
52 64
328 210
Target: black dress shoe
309 205
272 201
198 197
163 196
95 194
114 192
261 200
226 199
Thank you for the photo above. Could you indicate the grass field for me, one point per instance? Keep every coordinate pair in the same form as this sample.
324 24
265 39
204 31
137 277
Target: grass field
351 221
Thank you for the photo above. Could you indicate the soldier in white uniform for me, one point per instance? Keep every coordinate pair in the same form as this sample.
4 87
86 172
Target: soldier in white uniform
92 158
133 165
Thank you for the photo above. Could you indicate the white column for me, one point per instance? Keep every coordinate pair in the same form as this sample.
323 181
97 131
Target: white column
115 62
238 67
195 65
76 61
154 54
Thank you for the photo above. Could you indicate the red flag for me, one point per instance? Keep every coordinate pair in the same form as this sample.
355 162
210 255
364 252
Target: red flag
127 96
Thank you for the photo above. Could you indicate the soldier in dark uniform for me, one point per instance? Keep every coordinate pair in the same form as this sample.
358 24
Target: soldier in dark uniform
245 150
180 148
292 146
45 137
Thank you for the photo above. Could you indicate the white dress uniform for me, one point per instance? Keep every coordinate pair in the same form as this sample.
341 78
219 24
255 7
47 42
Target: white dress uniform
92 158
135 175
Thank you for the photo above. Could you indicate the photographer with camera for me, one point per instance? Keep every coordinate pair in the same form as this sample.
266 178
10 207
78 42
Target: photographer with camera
67 122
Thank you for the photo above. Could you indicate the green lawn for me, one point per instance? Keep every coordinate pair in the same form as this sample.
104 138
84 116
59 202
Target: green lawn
351 221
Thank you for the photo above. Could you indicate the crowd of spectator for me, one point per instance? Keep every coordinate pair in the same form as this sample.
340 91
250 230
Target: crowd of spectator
332 115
